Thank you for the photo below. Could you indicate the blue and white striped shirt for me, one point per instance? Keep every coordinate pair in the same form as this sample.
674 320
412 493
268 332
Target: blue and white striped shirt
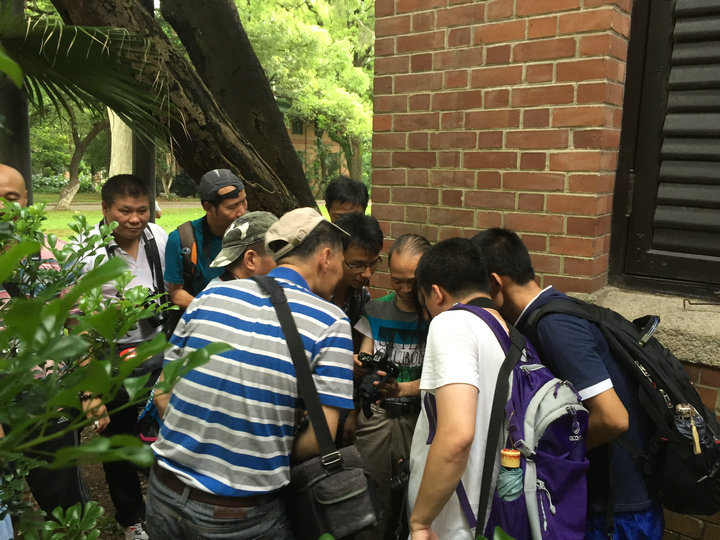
229 426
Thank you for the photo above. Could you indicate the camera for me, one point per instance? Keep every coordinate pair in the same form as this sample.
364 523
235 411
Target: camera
368 390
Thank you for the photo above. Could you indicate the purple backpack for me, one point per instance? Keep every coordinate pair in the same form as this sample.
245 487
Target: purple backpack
543 419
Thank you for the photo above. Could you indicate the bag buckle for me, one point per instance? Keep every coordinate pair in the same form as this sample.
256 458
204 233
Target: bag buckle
332 462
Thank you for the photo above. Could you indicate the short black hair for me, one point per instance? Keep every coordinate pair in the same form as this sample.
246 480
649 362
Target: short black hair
364 231
505 254
324 234
344 189
411 244
124 185
454 264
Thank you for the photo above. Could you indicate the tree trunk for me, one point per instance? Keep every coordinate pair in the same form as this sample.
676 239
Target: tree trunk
204 138
68 192
354 161
120 146
238 82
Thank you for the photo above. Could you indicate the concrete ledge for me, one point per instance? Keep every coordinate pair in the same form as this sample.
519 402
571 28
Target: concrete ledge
690 331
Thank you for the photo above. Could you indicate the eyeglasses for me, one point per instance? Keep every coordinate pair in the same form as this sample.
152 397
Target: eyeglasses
361 266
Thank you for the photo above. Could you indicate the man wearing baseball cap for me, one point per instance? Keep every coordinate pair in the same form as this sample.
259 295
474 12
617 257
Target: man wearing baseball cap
243 251
224 451
194 244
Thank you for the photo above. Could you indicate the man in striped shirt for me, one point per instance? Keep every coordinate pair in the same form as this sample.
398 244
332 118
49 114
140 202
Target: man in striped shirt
228 433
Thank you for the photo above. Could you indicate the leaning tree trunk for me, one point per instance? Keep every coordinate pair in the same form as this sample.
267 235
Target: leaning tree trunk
238 82
204 138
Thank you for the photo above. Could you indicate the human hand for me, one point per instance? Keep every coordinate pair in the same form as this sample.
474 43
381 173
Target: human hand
95 410
424 534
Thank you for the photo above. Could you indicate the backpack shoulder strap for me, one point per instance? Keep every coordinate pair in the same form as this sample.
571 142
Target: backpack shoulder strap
570 306
188 248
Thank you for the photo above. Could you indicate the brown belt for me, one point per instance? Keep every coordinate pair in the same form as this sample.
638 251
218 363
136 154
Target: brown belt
173 482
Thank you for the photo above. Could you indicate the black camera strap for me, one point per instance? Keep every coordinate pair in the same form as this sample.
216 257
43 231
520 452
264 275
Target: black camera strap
331 458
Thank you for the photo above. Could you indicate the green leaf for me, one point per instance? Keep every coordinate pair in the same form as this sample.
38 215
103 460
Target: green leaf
11 258
11 68
101 449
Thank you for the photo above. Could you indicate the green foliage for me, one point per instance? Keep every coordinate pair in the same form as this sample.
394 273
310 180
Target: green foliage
10 68
498 534
76 523
54 183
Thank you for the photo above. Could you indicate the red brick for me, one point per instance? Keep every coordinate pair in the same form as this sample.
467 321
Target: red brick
391 212
572 204
582 161
499 32
709 376
417 177
392 64
499 9
423 21
490 160
456 79
424 41
405 6
421 62
536 118
451 216
495 76
535 161
415 214
459 100
389 140
539 73
597 138
418 141
428 231
486 220
534 242
544 49
496 98
573 284
452 120
462 15
488 179
534 223
388 177
413 122
491 200
546 263
566 245
384 8
380 194
452 178
600 92
541 138
419 102
414 159
458 58
492 119
531 201
450 232
381 159
452 197
382 85
541 27
499 54
593 68
448 159
607 18
536 7
542 95
587 226
533 181
592 183
384 47
709 398
453 139
415 195
390 104
392 26
587 115
418 82
490 139
602 45
459 37
693 371
625 5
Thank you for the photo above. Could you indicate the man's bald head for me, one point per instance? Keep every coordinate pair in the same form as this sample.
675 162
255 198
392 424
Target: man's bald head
12 185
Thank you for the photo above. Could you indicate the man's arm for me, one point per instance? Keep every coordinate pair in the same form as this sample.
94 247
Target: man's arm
305 445
447 456
608 418
179 296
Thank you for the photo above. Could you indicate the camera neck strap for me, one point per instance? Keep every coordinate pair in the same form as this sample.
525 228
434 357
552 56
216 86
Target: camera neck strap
306 385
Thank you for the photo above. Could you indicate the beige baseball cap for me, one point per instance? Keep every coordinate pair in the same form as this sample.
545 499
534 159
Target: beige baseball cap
291 229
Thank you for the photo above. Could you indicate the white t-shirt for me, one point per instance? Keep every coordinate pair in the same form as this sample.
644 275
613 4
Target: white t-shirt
461 348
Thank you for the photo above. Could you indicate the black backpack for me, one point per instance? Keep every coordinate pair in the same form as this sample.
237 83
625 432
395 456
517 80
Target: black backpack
680 464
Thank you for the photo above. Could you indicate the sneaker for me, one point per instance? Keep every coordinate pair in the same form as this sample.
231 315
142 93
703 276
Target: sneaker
136 532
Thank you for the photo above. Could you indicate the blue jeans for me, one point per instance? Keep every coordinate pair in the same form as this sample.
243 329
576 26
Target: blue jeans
642 525
173 516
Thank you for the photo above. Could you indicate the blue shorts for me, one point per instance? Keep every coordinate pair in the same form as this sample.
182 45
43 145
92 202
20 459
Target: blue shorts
643 525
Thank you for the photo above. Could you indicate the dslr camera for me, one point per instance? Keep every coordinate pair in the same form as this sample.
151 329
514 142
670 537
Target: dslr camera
368 390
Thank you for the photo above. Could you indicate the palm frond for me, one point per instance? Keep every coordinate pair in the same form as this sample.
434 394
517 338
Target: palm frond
92 67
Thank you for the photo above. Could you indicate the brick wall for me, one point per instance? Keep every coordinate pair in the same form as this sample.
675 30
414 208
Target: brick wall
502 113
